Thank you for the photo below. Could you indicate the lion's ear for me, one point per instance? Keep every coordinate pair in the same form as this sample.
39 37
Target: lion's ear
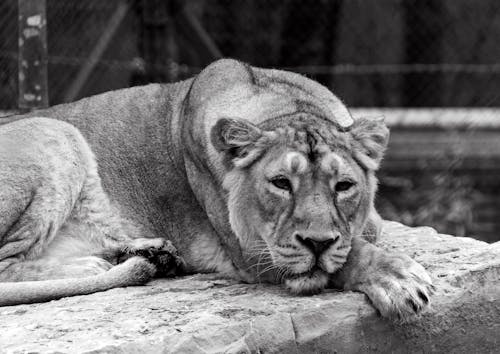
370 138
235 139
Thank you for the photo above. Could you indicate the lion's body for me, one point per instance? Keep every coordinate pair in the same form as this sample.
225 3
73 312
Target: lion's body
170 176
140 165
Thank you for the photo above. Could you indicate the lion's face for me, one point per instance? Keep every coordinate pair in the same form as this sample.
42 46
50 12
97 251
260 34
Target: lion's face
297 193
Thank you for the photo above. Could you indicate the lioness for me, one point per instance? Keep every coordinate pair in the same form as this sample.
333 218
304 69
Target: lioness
254 173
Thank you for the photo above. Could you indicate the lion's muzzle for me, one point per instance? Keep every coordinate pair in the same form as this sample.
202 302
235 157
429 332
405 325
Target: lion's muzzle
317 243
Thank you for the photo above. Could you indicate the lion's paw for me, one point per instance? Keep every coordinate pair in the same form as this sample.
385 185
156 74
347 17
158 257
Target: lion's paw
400 288
159 252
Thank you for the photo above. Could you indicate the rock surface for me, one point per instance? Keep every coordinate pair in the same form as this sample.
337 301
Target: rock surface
205 314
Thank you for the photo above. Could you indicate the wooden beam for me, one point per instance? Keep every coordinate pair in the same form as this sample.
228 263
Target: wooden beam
32 62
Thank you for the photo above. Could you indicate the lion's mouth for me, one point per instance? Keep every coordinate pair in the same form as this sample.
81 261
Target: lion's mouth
310 282
308 274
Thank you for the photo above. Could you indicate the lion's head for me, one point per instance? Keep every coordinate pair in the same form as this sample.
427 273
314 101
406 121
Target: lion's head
299 188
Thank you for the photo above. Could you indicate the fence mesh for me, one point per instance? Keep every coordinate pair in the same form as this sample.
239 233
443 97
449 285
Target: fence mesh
385 53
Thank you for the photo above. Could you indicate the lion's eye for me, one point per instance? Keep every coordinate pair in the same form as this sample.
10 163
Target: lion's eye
343 186
282 183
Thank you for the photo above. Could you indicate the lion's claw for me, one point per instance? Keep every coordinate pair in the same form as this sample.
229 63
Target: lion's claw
423 297
399 288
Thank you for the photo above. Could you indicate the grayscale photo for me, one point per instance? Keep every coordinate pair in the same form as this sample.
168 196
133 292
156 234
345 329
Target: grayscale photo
249 176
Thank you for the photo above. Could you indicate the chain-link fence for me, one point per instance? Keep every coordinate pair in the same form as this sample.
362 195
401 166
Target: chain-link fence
384 53
372 53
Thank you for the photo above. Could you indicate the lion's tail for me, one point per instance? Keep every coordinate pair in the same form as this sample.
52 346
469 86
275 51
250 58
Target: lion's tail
134 271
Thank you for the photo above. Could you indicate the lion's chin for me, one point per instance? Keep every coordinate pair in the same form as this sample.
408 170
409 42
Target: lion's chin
309 283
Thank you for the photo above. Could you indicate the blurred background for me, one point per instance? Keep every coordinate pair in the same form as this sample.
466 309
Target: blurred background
430 67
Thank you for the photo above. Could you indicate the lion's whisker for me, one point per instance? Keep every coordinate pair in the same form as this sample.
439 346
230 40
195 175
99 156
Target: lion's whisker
250 257
256 265
259 261
268 268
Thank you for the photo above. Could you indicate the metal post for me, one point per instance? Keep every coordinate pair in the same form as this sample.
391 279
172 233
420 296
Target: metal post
33 88
158 45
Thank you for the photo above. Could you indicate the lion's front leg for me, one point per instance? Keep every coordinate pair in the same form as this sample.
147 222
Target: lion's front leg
396 285
158 251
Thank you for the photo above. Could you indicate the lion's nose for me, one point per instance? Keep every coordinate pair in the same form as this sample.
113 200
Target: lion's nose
317 245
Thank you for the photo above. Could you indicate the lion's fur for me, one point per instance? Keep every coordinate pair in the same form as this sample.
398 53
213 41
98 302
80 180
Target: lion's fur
180 161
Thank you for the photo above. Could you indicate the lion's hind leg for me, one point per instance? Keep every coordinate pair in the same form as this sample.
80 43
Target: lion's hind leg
46 173
42 170
56 221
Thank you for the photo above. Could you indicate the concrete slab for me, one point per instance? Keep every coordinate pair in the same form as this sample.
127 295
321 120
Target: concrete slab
206 314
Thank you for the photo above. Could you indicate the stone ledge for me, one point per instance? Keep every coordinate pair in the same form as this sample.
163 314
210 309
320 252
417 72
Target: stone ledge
203 313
